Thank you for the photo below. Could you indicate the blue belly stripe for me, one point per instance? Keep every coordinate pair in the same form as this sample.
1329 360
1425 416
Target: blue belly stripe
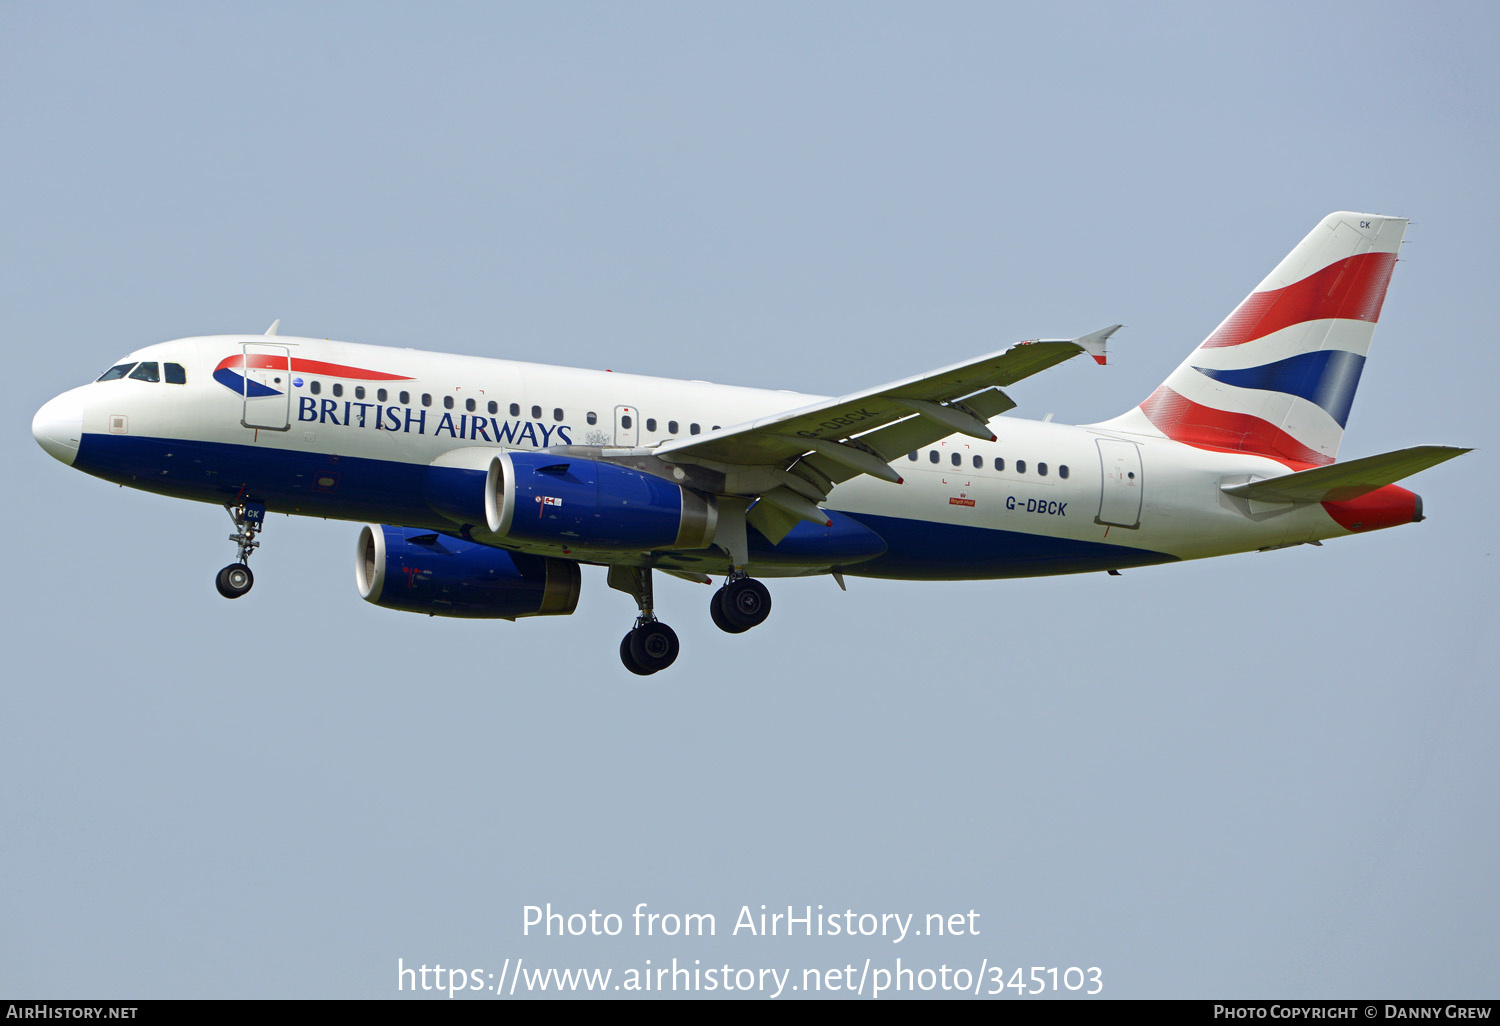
928 551
393 492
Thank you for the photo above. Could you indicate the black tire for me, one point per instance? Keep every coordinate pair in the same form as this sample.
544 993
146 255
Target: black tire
746 603
628 658
654 646
721 621
234 580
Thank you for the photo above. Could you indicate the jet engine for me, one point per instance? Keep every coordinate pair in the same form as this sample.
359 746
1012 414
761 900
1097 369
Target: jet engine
421 571
539 497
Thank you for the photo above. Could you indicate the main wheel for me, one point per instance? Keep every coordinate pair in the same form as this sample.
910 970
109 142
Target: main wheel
234 580
720 618
653 646
628 658
746 603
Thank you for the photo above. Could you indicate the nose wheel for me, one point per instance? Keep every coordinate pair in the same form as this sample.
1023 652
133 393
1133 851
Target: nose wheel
236 579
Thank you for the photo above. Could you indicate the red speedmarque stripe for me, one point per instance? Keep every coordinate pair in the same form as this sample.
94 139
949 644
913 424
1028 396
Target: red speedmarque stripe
333 370
1352 289
1183 420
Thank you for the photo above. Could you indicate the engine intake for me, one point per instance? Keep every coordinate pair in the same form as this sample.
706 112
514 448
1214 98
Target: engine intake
420 571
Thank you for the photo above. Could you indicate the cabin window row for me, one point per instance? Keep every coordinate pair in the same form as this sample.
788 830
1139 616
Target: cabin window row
491 406
404 398
627 422
957 459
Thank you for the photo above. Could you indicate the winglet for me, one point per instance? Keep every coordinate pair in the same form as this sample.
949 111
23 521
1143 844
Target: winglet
274 325
1093 342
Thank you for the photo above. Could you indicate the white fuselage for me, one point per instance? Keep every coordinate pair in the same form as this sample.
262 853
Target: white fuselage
1043 498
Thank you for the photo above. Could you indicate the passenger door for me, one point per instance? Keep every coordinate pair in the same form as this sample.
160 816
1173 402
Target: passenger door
268 387
1120 503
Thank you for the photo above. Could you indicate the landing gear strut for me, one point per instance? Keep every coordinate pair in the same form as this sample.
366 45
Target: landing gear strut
742 603
236 579
651 645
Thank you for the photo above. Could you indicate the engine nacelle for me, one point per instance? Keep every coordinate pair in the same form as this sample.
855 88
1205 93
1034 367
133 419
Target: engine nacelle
539 497
424 572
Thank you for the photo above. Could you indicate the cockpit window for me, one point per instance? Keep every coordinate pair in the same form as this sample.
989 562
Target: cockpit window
146 372
175 374
116 372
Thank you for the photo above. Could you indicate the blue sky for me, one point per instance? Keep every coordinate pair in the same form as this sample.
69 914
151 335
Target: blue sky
1267 775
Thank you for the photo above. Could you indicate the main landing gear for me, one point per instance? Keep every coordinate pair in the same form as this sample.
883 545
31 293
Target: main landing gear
236 579
651 645
742 603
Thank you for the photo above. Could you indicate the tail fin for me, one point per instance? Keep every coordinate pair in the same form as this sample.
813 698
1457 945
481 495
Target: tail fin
1277 377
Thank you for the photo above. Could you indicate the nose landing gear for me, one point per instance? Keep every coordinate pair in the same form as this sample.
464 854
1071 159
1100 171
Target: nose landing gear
236 579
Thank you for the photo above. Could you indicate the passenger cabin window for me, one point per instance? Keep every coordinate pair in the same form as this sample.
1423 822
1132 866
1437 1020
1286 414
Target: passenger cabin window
146 372
1041 469
591 417
515 409
536 413
625 421
426 398
359 391
1020 466
380 395
693 429
933 456
978 462
176 375
493 407
405 398
912 456
447 402
557 413
469 405
315 387
338 388
650 423
999 463
116 372
671 427
1062 471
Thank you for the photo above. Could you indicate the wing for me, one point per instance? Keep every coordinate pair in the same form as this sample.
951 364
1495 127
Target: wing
792 460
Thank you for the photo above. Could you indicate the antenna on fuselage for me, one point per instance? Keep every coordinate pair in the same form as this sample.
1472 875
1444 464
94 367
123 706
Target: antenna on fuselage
274 325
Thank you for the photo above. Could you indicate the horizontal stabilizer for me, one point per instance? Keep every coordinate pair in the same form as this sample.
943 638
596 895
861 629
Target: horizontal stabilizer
1340 482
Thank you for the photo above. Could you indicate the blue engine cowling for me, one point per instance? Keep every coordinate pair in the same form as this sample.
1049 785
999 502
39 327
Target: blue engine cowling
424 572
539 497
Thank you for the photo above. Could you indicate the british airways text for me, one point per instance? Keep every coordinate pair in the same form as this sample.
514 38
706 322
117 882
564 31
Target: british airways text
407 420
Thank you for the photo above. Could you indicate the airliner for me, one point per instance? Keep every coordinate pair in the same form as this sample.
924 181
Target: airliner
484 484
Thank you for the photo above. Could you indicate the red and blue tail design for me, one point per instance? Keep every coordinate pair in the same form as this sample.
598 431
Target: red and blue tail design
1277 377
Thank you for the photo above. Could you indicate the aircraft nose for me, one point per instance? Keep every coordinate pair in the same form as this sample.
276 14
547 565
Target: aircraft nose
58 426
